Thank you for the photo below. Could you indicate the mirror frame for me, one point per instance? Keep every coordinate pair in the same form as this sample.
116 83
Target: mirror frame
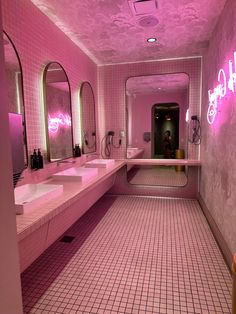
82 86
23 98
46 112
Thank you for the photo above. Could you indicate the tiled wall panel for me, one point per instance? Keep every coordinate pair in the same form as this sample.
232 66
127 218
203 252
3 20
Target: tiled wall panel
112 80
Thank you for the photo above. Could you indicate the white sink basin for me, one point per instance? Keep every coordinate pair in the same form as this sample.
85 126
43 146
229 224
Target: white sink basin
100 163
28 196
76 174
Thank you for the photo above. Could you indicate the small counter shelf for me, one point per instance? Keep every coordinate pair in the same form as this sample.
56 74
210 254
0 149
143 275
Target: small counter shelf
164 162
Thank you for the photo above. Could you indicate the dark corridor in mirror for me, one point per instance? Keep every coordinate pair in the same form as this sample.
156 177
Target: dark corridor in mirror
14 82
165 130
58 116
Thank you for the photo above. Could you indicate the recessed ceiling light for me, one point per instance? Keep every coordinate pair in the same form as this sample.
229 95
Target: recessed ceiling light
151 40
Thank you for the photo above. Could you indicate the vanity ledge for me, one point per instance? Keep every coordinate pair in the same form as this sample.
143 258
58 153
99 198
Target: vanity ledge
164 162
72 192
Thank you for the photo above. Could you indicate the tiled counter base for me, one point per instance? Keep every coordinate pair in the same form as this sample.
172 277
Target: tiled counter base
38 229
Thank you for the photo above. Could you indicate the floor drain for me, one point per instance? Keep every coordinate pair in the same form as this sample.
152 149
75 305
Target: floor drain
67 239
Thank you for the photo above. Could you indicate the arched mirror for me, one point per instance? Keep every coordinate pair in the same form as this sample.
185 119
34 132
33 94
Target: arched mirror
58 116
88 118
16 109
157 128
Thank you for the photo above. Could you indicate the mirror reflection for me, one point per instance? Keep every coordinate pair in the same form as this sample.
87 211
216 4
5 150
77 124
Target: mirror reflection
58 116
16 110
156 124
88 118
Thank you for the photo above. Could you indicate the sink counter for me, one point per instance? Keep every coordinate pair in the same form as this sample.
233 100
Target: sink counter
39 228
72 191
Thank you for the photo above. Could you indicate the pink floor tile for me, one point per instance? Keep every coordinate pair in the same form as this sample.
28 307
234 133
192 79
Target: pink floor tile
132 255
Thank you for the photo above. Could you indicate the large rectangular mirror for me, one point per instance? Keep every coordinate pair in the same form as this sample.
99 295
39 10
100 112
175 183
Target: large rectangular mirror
58 116
156 122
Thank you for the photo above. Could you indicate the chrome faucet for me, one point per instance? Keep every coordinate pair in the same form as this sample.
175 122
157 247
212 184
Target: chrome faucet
65 162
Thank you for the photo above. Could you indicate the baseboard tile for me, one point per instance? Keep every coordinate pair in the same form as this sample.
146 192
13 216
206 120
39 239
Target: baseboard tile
216 232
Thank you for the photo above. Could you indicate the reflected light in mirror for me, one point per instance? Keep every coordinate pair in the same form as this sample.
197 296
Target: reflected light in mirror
58 120
57 97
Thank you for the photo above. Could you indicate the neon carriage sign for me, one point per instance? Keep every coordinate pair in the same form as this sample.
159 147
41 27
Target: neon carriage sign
219 92
59 120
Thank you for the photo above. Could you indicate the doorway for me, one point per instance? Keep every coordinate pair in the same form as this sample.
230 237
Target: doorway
165 123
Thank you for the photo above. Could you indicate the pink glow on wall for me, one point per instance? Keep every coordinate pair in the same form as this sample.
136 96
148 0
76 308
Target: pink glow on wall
221 90
58 120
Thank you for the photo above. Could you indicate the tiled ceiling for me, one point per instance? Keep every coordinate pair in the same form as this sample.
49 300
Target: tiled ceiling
116 31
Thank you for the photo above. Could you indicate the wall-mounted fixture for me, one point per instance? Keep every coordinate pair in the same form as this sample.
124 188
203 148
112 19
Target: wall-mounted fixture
195 130
108 143
142 7
147 136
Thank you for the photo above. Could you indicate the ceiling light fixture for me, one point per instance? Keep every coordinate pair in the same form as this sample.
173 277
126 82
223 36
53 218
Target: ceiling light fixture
151 40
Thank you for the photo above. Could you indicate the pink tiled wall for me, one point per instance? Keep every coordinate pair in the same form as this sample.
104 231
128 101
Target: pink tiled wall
112 101
218 148
140 118
38 41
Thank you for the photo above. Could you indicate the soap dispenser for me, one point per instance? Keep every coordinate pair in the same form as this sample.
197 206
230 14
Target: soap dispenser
40 159
77 151
34 160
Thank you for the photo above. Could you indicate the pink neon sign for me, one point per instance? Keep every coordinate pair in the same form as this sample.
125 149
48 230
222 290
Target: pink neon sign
220 91
59 120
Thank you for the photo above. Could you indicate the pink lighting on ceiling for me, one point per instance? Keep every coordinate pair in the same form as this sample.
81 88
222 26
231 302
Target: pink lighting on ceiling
219 92
59 120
